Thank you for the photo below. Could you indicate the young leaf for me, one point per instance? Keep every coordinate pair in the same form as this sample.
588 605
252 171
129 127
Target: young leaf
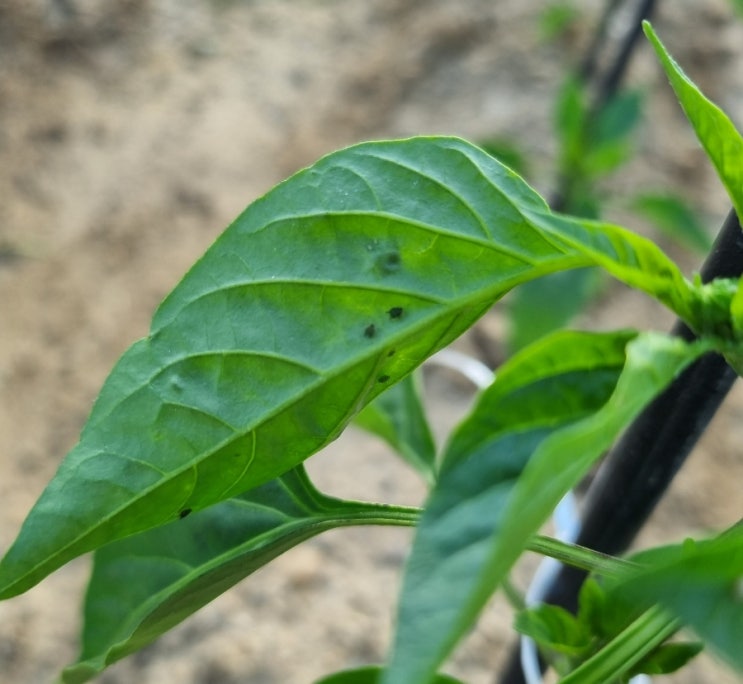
283 331
629 258
554 628
619 656
398 417
484 508
719 137
667 658
371 674
144 585
699 582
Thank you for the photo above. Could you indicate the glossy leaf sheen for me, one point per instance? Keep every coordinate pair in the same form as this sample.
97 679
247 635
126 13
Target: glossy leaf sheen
495 492
144 585
276 338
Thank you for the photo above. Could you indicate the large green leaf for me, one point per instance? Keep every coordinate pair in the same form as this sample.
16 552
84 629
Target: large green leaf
717 133
329 289
500 483
398 417
701 583
144 585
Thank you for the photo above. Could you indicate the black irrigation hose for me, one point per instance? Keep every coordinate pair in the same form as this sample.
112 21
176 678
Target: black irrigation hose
642 464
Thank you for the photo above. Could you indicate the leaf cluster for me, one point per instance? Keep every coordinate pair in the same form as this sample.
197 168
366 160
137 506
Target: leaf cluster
314 308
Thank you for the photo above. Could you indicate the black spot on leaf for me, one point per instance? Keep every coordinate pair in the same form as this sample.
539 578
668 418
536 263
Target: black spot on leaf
395 312
391 352
184 513
389 262
383 378
370 330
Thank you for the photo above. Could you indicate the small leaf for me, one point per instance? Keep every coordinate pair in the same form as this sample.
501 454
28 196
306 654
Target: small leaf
541 306
371 675
398 417
667 658
570 119
717 133
700 582
145 585
556 20
554 628
618 657
498 485
675 218
609 135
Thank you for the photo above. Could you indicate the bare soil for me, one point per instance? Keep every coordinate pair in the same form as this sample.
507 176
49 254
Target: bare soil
133 131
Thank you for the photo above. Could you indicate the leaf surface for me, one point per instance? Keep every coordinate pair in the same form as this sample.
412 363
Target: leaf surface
332 287
145 585
528 442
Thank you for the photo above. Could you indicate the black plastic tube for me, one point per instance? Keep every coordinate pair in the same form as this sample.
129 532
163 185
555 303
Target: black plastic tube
644 461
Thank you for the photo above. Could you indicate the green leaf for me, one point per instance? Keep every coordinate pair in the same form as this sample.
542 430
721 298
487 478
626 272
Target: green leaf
737 6
541 306
507 153
334 286
675 218
699 582
667 658
570 121
521 451
398 417
628 257
619 656
717 133
371 674
608 139
556 20
145 585
554 628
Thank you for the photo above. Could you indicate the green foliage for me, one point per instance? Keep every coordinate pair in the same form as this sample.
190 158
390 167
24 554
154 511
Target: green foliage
325 293
370 675
717 134
557 19
571 640
398 417
675 218
144 585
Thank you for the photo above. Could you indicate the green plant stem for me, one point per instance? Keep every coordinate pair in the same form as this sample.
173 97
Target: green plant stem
618 657
579 556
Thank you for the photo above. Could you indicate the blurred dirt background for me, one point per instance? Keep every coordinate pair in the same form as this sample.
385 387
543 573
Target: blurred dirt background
133 131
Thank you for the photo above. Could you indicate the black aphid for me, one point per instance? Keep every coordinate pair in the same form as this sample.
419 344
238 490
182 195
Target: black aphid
395 312
383 378
184 513
370 330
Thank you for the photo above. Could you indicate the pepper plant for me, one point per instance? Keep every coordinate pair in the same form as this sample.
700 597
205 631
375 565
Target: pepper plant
315 307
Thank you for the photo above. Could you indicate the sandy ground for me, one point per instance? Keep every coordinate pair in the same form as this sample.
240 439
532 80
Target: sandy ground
133 131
